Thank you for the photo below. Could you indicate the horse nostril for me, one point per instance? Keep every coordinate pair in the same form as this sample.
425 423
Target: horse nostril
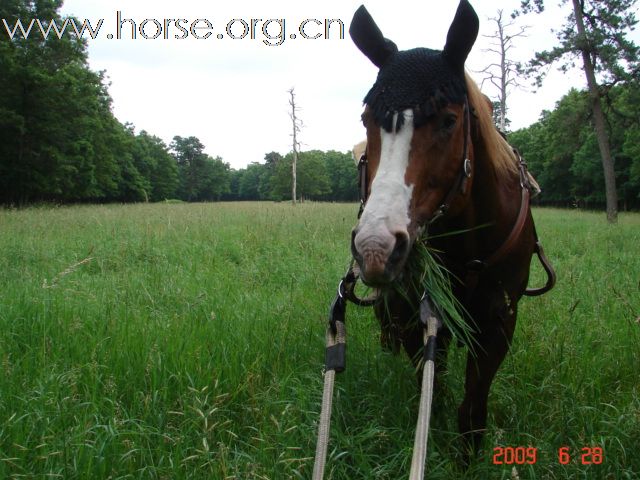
401 248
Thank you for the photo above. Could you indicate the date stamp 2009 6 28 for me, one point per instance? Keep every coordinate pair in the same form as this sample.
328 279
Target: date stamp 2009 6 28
529 455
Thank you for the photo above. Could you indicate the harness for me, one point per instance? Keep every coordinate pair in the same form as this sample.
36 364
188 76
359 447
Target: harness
473 267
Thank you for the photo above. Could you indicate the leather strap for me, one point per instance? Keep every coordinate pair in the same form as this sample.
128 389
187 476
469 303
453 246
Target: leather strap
460 185
363 180
474 267
514 235
551 274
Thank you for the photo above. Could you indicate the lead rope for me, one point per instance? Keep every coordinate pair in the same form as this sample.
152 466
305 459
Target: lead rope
334 361
430 325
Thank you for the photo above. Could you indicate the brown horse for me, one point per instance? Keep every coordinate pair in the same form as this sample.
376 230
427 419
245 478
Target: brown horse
435 163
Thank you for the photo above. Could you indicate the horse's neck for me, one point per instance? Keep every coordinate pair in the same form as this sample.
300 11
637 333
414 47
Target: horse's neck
489 212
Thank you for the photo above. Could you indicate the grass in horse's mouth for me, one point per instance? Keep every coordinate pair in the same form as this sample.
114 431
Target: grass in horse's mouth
424 272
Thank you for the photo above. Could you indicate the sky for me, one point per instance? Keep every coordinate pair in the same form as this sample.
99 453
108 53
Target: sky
232 93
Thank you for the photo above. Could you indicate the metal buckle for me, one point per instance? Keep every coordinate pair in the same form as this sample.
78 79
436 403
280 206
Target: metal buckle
442 209
467 167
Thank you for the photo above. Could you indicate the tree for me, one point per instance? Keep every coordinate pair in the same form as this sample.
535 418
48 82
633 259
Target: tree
249 185
157 165
562 151
596 32
189 153
216 180
343 176
623 104
297 125
313 182
59 140
504 73
53 111
265 187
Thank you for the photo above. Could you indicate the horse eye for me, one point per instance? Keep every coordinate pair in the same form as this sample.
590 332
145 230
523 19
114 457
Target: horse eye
449 121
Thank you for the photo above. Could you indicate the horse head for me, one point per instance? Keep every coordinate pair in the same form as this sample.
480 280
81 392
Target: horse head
419 150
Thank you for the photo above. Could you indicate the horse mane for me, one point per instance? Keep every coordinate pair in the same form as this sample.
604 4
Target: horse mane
489 141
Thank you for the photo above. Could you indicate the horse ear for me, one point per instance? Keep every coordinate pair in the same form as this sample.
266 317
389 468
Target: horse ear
462 35
368 38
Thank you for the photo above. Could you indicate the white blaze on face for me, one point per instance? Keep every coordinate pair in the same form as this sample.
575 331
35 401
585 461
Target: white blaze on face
387 209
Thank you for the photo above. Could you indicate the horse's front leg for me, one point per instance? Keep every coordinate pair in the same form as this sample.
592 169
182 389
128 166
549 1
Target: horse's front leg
493 341
390 318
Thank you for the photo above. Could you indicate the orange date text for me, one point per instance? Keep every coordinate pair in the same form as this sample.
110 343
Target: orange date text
515 455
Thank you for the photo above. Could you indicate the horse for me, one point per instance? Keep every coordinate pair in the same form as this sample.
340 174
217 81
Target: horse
434 163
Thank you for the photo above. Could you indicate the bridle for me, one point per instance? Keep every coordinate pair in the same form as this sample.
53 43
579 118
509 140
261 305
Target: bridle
459 187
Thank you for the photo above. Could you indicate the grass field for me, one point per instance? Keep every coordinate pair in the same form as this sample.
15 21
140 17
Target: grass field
178 341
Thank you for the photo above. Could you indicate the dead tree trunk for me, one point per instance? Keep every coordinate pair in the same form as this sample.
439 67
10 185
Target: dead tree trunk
503 74
296 128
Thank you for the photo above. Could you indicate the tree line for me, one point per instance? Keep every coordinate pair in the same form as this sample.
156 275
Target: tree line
323 176
562 151
60 142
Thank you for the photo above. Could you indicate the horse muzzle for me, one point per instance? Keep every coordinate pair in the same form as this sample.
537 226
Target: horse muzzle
381 255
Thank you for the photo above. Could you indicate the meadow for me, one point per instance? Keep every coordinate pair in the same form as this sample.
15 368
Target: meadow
175 341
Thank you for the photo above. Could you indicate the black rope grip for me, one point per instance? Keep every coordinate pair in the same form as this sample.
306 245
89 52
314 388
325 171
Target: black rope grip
335 353
337 311
335 357
429 351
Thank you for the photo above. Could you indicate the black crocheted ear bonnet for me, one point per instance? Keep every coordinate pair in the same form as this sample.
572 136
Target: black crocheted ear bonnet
421 79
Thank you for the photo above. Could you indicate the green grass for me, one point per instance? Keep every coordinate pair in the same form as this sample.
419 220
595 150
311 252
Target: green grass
187 341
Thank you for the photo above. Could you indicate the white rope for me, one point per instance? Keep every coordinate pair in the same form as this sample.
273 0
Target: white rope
424 414
327 401
422 428
323 429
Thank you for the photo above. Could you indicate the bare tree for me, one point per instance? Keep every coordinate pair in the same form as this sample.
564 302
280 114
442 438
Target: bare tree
503 73
297 125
